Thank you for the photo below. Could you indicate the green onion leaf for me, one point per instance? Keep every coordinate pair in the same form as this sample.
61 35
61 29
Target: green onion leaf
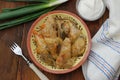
12 9
46 1
24 18
23 11
17 12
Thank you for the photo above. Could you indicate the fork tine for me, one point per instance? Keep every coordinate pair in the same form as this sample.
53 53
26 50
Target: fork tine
13 47
15 44
10 43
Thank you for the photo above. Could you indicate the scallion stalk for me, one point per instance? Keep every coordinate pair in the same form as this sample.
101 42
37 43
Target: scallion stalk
46 1
17 8
25 18
29 9
26 13
23 11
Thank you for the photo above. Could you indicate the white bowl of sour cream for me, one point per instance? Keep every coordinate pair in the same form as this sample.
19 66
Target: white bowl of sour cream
90 10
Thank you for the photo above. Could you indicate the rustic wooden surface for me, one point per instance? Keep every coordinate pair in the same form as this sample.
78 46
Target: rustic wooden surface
13 67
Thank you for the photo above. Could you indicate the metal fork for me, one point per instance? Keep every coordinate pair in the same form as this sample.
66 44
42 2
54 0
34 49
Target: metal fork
18 51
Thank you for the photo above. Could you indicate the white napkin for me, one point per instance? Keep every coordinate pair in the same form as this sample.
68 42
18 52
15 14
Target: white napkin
103 62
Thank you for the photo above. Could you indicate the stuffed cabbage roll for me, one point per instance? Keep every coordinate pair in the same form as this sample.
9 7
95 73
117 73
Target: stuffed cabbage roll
65 54
78 47
52 44
66 27
48 28
42 50
74 32
59 28
41 46
63 28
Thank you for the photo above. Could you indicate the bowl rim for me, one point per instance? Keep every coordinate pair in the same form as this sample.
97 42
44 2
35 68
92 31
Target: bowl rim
58 71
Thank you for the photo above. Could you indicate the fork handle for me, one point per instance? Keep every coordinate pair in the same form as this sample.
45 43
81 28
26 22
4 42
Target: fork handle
38 72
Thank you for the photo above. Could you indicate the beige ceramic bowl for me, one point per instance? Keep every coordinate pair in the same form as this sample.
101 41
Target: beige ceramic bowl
30 44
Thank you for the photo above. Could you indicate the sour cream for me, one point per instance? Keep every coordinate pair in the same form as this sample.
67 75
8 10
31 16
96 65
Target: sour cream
90 10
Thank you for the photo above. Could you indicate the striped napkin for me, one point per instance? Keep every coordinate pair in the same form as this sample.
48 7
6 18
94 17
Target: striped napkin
103 62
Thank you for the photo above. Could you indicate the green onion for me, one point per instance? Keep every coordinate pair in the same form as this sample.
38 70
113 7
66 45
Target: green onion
25 18
23 11
26 13
12 9
31 0
28 9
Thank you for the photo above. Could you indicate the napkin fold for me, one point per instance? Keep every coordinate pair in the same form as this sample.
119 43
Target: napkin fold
103 62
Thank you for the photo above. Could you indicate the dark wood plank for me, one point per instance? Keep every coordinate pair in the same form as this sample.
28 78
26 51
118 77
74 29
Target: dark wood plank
13 67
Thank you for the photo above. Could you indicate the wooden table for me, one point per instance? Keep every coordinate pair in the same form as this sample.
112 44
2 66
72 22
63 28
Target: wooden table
13 67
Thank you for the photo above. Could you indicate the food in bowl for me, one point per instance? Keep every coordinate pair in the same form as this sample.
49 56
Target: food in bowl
59 41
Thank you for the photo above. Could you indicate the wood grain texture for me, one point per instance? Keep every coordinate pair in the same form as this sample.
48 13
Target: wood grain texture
13 67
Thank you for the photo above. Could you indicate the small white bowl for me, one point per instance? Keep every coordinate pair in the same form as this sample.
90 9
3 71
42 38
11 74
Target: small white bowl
96 16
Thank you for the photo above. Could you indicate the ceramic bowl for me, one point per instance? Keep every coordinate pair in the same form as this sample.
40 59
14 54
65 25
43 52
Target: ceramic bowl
31 46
